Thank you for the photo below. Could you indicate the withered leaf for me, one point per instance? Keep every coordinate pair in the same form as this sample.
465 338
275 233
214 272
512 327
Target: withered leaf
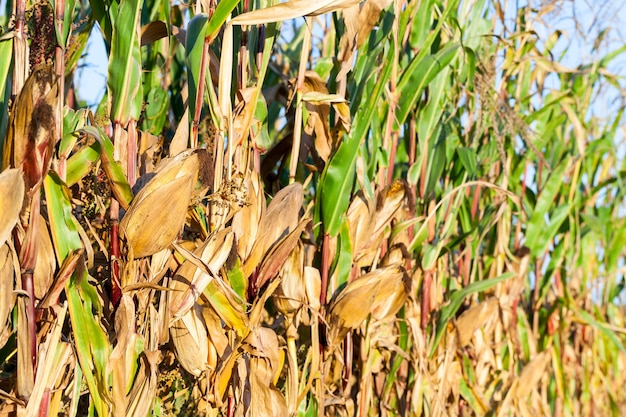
281 218
158 211
380 293
12 192
191 341
31 134
474 318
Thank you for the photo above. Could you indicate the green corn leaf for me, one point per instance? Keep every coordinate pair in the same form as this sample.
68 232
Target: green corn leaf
538 233
221 13
237 279
418 75
68 14
470 396
81 162
227 308
338 176
119 183
92 345
343 261
62 223
124 82
194 51
6 61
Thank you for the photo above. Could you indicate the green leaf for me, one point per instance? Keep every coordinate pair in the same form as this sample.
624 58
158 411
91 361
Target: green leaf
343 261
417 76
221 13
227 308
115 174
124 82
62 223
157 106
468 159
538 232
92 344
468 394
68 14
237 279
81 162
194 52
338 176
6 62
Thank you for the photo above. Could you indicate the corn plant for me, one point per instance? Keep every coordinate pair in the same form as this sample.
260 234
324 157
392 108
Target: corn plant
308 208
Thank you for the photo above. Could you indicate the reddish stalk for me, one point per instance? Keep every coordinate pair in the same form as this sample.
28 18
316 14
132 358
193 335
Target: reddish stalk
392 157
28 260
242 74
44 405
475 201
114 243
252 285
535 306
116 286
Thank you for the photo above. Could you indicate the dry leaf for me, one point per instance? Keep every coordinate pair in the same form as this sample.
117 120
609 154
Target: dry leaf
265 366
12 192
277 256
158 211
30 137
359 22
280 219
181 136
381 293
46 261
246 221
475 318
7 280
318 115
291 293
191 342
290 10
213 253
221 297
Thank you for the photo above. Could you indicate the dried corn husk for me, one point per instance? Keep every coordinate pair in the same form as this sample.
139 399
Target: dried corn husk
380 293
158 212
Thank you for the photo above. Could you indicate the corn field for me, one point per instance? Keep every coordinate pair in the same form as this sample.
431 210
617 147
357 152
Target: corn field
308 208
